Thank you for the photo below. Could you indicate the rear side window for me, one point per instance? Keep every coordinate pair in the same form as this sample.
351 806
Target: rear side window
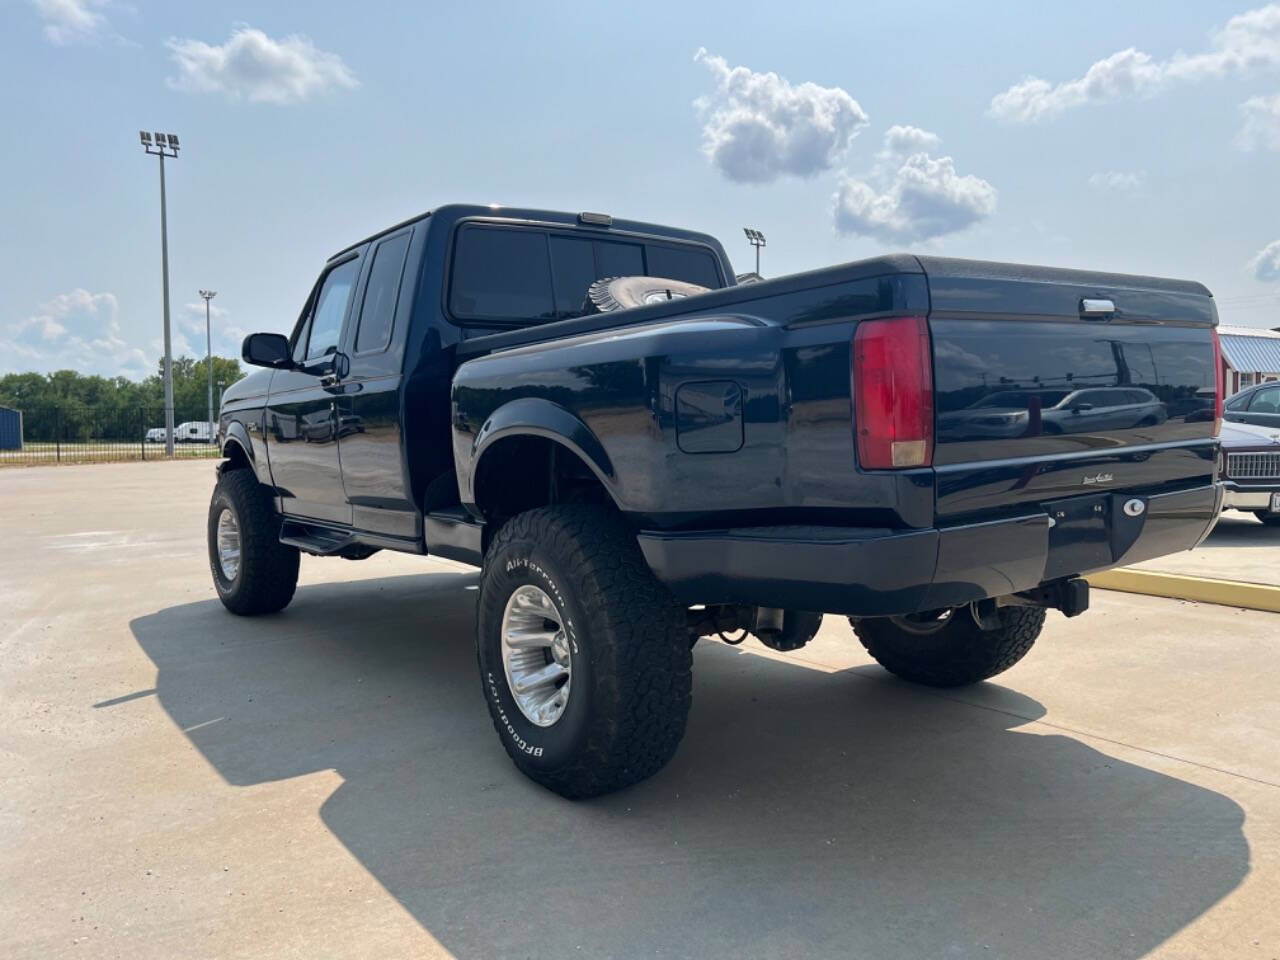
501 274
619 260
523 274
689 265
378 311
573 268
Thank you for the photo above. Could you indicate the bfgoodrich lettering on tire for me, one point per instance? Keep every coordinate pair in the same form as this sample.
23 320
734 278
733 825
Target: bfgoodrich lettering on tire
594 690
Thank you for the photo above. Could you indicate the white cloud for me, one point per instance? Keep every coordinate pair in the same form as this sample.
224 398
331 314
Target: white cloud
901 141
68 22
921 199
192 316
78 330
1249 41
1266 265
760 126
1261 127
1118 181
227 337
253 65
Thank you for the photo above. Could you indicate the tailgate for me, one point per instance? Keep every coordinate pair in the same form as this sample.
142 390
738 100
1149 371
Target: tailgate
1042 392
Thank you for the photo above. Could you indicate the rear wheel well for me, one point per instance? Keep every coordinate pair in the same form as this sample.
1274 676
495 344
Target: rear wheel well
523 473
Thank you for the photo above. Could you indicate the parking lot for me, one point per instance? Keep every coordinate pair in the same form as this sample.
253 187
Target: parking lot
182 783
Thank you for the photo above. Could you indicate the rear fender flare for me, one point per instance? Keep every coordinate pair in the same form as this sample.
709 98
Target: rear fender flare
536 417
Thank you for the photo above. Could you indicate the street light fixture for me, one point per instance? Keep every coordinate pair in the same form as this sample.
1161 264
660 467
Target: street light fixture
208 342
164 145
756 239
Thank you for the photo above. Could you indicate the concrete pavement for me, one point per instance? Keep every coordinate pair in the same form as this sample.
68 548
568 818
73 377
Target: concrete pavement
1240 547
326 782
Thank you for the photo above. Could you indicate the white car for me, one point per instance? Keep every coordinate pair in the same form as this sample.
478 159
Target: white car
195 431
155 435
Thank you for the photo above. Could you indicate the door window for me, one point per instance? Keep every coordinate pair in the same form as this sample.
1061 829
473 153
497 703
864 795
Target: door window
331 310
381 294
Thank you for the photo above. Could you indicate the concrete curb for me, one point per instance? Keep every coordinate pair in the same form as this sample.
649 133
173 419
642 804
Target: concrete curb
1228 593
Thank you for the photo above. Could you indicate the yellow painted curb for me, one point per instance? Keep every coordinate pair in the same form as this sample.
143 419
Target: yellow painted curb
1228 593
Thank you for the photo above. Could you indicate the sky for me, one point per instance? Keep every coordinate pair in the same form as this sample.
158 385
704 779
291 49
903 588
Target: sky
1140 137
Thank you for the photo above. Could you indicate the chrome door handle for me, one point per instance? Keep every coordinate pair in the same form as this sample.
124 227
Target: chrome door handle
1096 308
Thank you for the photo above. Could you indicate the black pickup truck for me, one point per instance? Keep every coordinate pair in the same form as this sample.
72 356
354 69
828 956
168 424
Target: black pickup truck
936 448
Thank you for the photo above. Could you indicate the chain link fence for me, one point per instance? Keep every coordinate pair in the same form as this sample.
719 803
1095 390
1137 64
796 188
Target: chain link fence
83 433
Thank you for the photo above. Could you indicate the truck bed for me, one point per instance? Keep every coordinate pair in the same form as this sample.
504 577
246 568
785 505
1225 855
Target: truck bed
1050 415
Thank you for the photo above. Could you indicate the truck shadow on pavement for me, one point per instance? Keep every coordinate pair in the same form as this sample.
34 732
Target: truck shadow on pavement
806 814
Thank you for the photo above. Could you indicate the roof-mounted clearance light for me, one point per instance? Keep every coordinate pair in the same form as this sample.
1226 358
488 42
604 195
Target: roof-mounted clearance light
599 219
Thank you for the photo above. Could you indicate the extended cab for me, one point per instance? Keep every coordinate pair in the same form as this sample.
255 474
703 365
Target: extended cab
937 449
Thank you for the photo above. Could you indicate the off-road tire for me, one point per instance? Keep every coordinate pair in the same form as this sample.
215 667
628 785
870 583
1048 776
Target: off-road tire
958 653
268 573
1268 517
631 681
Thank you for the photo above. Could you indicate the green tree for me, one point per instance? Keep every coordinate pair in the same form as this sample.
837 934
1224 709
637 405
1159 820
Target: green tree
75 406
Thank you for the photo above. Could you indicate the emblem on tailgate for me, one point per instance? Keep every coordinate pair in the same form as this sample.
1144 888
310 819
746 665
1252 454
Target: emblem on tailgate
1097 478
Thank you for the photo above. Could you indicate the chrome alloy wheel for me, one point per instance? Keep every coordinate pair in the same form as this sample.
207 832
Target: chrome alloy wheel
228 544
535 655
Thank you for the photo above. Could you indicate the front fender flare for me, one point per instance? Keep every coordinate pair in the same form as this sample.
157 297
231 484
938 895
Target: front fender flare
238 435
536 417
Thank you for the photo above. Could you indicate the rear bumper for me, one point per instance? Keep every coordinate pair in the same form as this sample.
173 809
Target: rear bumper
875 572
1253 497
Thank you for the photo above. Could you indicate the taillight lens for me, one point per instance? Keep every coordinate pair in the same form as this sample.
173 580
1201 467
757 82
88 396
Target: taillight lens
1219 387
893 393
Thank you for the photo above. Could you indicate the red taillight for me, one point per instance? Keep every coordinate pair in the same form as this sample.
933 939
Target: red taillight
1218 390
893 393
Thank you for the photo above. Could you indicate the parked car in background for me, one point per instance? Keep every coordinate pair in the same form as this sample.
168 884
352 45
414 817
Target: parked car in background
1251 470
155 435
1031 412
1258 405
195 431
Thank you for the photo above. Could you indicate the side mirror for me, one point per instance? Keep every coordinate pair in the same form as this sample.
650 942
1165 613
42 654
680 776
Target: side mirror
267 350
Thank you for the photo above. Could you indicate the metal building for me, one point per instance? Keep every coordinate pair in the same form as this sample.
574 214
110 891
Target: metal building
1249 356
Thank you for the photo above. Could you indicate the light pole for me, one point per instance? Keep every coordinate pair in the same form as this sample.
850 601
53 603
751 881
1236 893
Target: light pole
164 145
208 343
756 239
